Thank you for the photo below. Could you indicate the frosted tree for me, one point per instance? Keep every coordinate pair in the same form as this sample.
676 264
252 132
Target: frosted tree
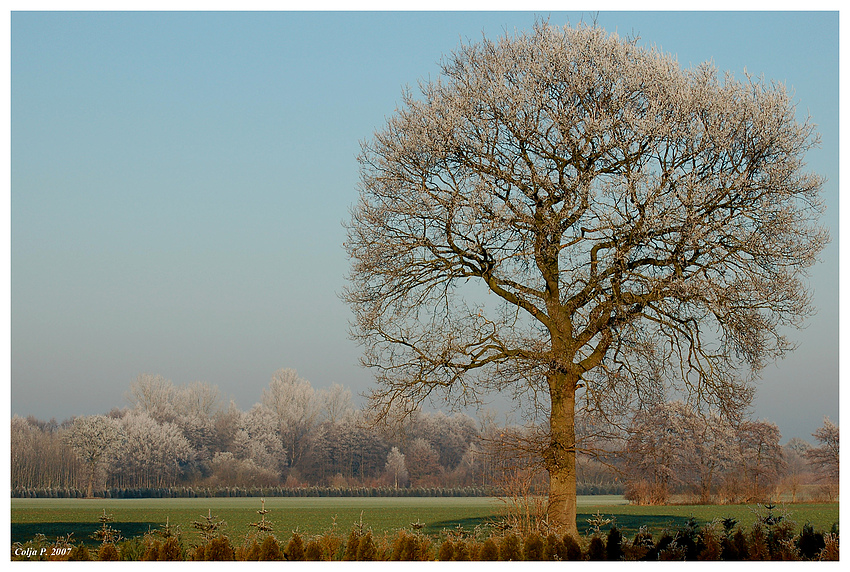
96 440
154 395
293 402
336 403
472 467
761 461
39 455
198 399
258 439
197 407
824 457
449 435
705 447
651 455
796 467
562 211
396 467
351 447
226 423
674 446
153 454
227 470
423 463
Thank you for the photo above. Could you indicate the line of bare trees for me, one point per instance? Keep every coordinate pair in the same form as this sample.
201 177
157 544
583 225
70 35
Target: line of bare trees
297 436
674 449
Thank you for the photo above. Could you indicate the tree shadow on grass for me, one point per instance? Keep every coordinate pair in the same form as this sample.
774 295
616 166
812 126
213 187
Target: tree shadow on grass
628 524
467 524
24 532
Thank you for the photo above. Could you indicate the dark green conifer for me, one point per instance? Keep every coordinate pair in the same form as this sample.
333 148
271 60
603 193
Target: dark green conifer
533 548
572 548
554 548
613 548
810 543
596 549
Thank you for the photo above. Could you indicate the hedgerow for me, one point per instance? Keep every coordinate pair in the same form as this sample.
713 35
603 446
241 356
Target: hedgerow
264 492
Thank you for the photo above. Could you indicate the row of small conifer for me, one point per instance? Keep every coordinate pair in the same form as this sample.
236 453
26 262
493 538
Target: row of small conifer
768 539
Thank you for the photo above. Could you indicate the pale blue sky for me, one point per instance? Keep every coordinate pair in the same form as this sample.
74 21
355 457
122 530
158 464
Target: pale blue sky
179 182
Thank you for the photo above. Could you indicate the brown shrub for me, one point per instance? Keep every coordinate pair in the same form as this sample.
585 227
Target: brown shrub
447 550
170 550
313 551
294 550
366 549
107 552
269 550
510 548
489 550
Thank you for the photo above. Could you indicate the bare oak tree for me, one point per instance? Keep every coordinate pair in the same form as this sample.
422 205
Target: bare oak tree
627 215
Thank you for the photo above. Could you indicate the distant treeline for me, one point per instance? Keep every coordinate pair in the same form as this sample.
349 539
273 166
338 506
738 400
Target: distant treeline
175 441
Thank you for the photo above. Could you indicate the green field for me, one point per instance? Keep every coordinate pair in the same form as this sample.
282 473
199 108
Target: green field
315 515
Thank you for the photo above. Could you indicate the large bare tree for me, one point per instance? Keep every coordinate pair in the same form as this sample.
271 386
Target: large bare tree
636 224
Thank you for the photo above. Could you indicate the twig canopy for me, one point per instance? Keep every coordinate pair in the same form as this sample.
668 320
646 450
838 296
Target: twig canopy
638 224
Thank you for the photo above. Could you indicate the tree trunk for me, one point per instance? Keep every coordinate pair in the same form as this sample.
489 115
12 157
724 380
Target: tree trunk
90 488
560 455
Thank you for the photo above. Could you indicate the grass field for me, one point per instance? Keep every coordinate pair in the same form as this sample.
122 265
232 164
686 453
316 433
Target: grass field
314 515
